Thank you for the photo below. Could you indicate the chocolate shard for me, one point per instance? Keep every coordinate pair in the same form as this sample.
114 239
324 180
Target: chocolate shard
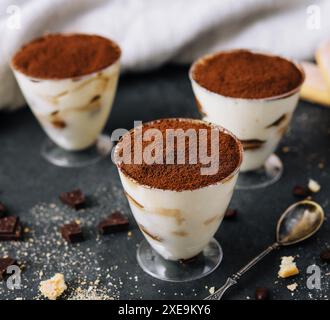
262 294
325 255
15 236
72 232
116 222
231 213
4 264
8 224
10 228
3 209
300 191
74 199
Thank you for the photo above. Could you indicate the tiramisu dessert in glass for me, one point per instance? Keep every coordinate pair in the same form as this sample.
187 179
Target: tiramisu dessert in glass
178 176
69 81
254 95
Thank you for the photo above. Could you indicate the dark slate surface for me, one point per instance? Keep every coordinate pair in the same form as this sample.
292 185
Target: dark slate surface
30 187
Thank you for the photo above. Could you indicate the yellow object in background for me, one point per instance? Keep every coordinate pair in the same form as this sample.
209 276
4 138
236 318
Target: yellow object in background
315 88
322 57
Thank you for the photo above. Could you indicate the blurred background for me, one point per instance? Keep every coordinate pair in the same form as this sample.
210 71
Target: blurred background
154 32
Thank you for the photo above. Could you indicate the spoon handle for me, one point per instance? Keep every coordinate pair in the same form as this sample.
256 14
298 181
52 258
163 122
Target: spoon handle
217 295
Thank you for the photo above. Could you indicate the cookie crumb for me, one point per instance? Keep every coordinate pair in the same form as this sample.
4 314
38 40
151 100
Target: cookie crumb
53 287
212 290
288 267
292 287
314 186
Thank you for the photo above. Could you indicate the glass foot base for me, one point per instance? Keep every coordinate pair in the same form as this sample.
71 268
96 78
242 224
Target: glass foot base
179 271
263 177
64 158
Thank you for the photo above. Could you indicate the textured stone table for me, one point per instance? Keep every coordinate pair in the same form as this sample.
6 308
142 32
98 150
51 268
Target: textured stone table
30 187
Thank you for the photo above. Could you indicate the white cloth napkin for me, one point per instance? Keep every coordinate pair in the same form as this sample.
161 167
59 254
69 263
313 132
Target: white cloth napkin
152 32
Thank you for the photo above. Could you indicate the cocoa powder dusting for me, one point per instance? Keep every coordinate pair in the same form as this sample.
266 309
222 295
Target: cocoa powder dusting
244 74
59 56
175 176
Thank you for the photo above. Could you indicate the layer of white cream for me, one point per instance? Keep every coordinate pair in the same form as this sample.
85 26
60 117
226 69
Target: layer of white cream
178 225
248 119
73 112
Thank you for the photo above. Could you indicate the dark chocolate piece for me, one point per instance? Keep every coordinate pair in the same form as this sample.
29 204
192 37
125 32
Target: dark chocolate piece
262 294
15 236
3 209
74 199
72 233
4 264
10 228
116 222
325 255
300 191
8 224
231 213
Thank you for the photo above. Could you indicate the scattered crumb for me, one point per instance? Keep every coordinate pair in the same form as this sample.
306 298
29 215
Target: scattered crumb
285 149
53 287
292 287
44 253
288 267
129 233
314 186
91 293
212 290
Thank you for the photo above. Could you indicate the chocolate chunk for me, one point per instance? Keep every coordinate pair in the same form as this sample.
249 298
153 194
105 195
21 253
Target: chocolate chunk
300 191
325 255
72 233
74 199
3 209
10 228
116 222
262 294
8 224
231 213
15 236
4 264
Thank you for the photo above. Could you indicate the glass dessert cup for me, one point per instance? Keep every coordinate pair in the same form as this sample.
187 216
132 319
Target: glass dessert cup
258 123
179 226
73 113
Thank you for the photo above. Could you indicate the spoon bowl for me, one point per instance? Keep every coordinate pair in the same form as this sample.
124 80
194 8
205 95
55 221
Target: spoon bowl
299 222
